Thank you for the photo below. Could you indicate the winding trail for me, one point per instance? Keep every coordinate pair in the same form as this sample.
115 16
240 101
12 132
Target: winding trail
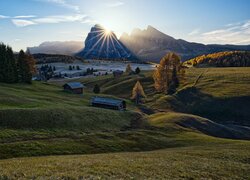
199 77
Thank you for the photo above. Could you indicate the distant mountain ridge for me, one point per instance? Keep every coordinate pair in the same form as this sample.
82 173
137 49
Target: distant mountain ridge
57 47
151 45
101 44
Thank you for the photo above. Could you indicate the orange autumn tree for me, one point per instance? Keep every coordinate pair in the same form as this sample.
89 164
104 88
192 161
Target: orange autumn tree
128 69
138 92
167 72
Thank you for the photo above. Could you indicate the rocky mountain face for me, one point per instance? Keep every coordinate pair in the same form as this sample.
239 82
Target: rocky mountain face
101 44
57 47
152 45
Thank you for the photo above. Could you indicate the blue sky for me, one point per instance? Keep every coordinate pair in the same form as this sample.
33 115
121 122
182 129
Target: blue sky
30 22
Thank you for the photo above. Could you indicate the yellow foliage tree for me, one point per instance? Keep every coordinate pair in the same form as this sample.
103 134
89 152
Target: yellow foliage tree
128 69
138 92
163 73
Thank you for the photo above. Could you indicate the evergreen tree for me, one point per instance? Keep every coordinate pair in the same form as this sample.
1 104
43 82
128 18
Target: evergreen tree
24 68
138 92
137 70
96 89
8 69
175 79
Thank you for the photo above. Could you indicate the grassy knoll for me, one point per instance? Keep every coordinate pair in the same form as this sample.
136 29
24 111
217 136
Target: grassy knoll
219 94
229 161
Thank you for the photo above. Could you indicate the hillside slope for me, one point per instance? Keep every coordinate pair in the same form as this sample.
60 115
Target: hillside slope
222 59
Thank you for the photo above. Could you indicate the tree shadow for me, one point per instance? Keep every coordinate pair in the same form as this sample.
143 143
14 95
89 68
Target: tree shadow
226 110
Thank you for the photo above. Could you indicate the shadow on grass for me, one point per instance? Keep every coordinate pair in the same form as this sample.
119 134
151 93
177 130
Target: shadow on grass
231 110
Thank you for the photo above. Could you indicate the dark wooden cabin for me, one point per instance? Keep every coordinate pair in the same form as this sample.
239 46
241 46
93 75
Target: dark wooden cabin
108 103
74 87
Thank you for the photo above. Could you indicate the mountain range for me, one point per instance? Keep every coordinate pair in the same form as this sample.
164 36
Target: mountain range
57 47
151 45
146 45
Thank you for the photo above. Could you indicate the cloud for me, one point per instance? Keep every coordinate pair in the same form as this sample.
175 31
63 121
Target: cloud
3 17
63 3
194 32
238 33
60 19
17 40
24 16
22 22
115 4
50 20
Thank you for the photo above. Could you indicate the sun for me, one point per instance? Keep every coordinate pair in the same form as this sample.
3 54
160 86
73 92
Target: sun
107 32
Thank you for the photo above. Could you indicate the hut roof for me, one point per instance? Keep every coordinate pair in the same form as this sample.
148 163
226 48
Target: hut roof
107 101
74 85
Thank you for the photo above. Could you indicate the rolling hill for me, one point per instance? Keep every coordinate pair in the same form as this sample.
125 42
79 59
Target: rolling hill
222 59
182 129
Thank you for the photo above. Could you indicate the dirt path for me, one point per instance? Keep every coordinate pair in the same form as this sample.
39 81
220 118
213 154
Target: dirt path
199 77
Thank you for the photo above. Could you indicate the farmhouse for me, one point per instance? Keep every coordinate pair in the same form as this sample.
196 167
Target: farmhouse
74 87
108 103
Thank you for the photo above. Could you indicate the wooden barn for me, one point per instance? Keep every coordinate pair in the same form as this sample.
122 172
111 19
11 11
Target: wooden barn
108 103
74 87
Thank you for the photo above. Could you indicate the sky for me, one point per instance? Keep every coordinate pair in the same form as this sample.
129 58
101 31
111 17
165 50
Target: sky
27 23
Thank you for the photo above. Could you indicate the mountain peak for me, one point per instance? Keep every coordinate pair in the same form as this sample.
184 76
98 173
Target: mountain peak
151 28
99 45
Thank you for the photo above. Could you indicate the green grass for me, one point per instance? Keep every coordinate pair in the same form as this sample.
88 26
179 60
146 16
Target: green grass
220 94
41 120
201 162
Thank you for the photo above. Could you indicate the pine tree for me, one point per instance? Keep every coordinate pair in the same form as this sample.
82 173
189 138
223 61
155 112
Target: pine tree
128 69
8 70
96 89
137 70
11 69
138 92
24 68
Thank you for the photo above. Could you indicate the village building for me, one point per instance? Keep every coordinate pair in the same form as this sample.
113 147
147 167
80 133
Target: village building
74 87
108 103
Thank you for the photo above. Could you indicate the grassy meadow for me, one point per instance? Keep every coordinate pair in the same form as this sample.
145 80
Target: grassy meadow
187 135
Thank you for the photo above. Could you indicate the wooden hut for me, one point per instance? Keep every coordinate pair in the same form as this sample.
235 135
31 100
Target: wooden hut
74 87
108 103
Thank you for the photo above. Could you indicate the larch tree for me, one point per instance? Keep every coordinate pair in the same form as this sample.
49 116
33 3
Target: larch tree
138 92
128 69
166 75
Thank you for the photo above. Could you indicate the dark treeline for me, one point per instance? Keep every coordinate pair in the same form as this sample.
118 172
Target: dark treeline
222 59
15 69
